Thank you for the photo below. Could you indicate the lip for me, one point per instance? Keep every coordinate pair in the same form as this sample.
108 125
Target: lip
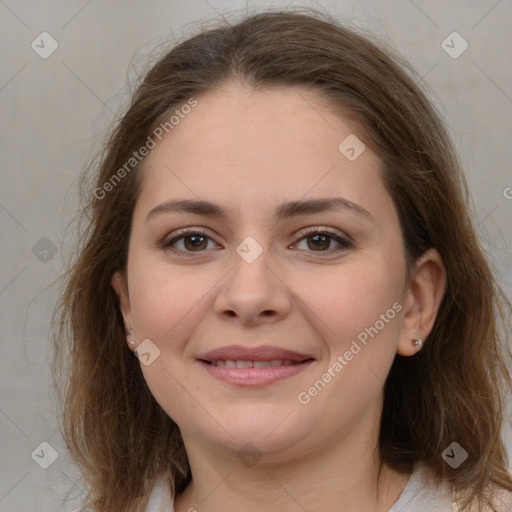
260 353
249 377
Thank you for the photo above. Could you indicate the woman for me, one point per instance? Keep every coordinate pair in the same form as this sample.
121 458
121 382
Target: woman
279 233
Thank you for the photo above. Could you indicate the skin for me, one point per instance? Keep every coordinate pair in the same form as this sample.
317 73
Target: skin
249 151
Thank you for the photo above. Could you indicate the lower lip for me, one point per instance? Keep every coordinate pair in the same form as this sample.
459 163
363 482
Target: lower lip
247 377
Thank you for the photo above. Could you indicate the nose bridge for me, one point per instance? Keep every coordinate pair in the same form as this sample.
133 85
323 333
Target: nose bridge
252 288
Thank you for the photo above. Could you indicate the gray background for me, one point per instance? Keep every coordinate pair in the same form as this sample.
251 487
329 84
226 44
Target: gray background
55 111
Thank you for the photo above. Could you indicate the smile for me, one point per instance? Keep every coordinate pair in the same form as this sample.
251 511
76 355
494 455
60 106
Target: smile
244 373
254 364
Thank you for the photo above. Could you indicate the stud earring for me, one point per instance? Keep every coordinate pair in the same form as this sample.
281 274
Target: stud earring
128 332
418 342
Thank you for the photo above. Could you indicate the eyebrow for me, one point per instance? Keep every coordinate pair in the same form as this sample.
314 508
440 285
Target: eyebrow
283 211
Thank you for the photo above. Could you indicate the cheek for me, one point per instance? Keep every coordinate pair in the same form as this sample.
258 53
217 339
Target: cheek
351 299
164 298
357 312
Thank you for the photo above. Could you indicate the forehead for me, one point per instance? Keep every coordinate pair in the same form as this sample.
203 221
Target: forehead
259 146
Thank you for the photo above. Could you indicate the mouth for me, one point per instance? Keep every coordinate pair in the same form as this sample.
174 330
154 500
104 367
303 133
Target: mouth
256 366
231 363
253 354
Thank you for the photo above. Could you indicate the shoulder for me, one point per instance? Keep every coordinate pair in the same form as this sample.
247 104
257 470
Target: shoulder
161 499
424 491
501 498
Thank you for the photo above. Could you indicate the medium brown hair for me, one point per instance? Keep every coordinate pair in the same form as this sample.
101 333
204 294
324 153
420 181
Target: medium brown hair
453 390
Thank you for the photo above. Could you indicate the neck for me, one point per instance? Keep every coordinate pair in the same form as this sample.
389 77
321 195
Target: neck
345 476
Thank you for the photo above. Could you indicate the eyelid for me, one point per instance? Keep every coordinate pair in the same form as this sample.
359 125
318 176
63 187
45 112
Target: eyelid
323 229
343 240
183 232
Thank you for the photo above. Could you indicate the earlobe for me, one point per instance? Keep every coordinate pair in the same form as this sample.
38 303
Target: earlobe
121 288
421 302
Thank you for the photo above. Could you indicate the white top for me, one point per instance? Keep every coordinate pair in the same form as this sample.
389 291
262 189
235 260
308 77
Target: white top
419 494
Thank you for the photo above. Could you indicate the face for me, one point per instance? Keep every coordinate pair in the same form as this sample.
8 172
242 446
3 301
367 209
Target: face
313 294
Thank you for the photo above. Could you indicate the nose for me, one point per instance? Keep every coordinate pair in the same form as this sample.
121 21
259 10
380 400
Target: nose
253 292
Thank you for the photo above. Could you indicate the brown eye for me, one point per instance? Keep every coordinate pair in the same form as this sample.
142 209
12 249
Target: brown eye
321 241
196 242
187 241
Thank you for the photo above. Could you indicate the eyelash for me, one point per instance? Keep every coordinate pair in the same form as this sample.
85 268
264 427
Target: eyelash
307 233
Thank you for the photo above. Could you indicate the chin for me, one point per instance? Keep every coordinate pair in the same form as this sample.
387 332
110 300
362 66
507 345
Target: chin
265 435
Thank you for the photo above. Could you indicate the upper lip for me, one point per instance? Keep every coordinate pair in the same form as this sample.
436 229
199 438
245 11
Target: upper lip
259 353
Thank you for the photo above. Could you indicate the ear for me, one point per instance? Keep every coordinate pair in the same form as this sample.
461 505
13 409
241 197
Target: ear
120 285
421 301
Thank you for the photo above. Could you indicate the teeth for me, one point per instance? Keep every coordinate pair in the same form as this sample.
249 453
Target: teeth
261 364
244 364
230 363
